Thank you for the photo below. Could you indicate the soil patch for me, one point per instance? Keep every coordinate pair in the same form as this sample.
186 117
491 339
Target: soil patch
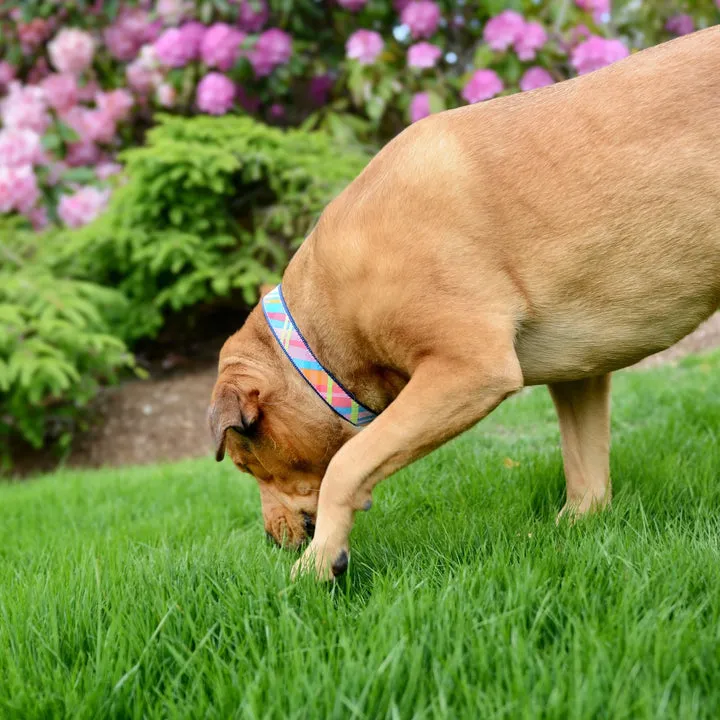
164 418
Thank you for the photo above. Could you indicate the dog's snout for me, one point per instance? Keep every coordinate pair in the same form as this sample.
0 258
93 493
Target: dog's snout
308 524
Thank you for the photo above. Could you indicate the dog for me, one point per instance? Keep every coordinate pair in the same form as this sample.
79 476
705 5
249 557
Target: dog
544 238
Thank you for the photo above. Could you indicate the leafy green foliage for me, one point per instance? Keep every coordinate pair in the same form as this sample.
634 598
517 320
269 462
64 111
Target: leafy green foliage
212 208
55 346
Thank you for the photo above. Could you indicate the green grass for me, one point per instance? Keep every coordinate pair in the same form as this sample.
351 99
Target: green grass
148 593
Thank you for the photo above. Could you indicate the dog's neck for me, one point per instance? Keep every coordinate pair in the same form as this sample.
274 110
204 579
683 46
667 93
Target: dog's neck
330 331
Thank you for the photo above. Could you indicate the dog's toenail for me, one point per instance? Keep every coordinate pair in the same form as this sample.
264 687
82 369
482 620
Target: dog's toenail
367 505
341 563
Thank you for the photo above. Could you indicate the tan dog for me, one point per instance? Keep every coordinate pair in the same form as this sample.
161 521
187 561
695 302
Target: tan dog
544 238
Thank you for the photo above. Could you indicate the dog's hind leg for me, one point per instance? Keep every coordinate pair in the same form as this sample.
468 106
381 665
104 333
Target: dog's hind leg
583 409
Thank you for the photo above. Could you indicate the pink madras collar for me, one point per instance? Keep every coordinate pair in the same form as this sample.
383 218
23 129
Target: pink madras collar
301 356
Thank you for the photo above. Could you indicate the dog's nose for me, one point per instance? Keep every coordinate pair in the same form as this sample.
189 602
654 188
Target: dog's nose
308 524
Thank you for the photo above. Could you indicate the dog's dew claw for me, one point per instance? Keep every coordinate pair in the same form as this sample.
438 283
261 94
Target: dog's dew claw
341 564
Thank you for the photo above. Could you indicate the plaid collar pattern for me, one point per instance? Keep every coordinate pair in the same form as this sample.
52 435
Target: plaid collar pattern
292 342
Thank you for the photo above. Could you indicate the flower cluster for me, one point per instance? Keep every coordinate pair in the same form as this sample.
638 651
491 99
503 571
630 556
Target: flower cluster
61 128
36 118
76 88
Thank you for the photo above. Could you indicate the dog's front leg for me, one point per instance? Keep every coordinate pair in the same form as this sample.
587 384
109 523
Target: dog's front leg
443 398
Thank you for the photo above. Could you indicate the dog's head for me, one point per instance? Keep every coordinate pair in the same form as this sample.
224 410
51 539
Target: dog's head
274 427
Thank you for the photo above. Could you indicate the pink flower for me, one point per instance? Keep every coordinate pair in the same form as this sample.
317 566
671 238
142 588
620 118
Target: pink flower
116 103
20 147
680 24
273 48
61 91
143 74
253 15
352 5
419 106
166 95
74 118
105 170
38 217
400 5
503 30
33 34
172 50
82 207
220 47
26 189
597 52
82 153
531 37
91 125
535 77
192 35
364 46
423 55
600 9
71 51
88 91
140 79
25 107
18 189
7 198
319 89
215 94
173 11
577 35
7 74
422 17
483 85
99 125
148 58
129 33
277 111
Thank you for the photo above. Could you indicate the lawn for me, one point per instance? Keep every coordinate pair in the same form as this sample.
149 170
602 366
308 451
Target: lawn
152 592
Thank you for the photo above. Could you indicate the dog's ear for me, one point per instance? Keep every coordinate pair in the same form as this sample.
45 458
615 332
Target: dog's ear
231 407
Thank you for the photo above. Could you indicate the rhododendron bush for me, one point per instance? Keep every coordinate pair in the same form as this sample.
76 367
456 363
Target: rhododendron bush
135 136
80 81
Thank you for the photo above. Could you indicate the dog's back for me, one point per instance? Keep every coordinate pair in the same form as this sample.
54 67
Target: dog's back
590 209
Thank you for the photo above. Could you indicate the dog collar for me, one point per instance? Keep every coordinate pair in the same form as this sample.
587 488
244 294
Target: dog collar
322 381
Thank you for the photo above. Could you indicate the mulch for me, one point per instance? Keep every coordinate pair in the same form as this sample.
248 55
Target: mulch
164 418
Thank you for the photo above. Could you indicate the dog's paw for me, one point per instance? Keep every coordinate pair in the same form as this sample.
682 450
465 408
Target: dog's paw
322 562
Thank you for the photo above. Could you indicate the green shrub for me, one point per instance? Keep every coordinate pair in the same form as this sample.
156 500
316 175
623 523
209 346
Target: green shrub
211 207
56 345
